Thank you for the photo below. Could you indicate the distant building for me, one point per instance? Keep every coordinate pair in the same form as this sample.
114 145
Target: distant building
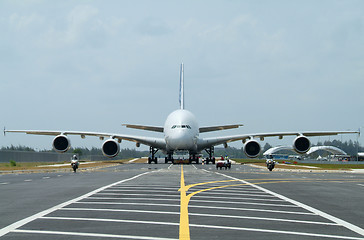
337 154
360 156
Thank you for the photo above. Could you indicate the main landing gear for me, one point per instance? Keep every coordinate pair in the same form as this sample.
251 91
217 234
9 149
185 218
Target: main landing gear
152 157
169 158
193 158
211 158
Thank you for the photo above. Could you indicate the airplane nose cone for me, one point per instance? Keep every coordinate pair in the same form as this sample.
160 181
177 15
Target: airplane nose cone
180 141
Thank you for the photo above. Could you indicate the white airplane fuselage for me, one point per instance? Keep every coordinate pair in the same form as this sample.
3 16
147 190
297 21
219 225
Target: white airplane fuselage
181 131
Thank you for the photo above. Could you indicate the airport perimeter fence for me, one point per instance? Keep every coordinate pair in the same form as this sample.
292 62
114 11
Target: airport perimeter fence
25 156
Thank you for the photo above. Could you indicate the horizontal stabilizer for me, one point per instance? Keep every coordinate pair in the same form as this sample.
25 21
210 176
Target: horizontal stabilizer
218 128
147 128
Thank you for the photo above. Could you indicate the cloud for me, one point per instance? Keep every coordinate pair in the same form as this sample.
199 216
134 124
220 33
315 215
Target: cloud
22 23
79 21
153 26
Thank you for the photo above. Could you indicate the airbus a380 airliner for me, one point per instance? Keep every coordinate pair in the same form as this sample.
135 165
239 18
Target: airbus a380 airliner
181 133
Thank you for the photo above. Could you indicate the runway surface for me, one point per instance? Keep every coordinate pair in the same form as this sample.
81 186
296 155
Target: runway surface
163 201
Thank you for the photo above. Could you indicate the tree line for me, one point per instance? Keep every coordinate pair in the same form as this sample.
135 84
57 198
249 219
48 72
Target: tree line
83 152
350 147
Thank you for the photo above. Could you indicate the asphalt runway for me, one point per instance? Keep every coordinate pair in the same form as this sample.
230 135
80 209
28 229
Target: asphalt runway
164 201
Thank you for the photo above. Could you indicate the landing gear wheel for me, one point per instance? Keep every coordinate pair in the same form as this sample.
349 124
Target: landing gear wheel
152 158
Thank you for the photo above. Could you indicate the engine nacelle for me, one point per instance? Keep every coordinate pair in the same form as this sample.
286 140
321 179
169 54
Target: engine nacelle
252 148
110 148
301 144
61 143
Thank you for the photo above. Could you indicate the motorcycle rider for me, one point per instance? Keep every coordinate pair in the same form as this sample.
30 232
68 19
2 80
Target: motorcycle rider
270 162
74 162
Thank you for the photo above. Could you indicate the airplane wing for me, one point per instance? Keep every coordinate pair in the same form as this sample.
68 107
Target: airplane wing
218 128
214 141
148 128
149 141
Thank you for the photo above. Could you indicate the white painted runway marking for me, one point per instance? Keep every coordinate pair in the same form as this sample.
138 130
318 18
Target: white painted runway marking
28 180
214 191
339 221
238 194
194 200
246 203
139 190
275 231
4 183
177 194
200 215
138 194
191 225
218 191
133 160
240 198
141 187
91 235
45 177
198 206
111 220
361 184
24 221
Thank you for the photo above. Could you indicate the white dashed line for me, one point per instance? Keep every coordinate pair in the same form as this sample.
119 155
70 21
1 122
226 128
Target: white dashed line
275 231
111 220
194 200
172 224
197 206
339 221
18 224
92 235
200 215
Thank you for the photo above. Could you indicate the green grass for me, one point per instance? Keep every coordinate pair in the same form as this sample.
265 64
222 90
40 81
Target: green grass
253 160
326 166
13 164
34 165
334 166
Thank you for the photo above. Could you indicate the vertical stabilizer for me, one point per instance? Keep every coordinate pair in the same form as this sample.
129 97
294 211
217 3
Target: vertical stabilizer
181 89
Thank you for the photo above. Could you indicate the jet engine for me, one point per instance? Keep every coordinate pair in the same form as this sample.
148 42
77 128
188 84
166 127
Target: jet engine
110 148
252 148
61 143
301 144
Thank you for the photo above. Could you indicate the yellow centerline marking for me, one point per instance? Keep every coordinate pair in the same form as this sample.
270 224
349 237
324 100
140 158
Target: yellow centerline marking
184 228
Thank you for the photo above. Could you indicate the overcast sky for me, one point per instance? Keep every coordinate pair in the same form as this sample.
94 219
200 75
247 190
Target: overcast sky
93 65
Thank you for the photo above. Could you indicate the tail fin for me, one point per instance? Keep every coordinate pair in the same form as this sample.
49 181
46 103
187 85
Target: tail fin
181 89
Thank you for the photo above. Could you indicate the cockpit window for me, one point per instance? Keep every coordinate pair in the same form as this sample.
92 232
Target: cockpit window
181 126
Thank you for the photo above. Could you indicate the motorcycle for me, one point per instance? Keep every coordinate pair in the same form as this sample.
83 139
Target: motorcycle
74 163
270 164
